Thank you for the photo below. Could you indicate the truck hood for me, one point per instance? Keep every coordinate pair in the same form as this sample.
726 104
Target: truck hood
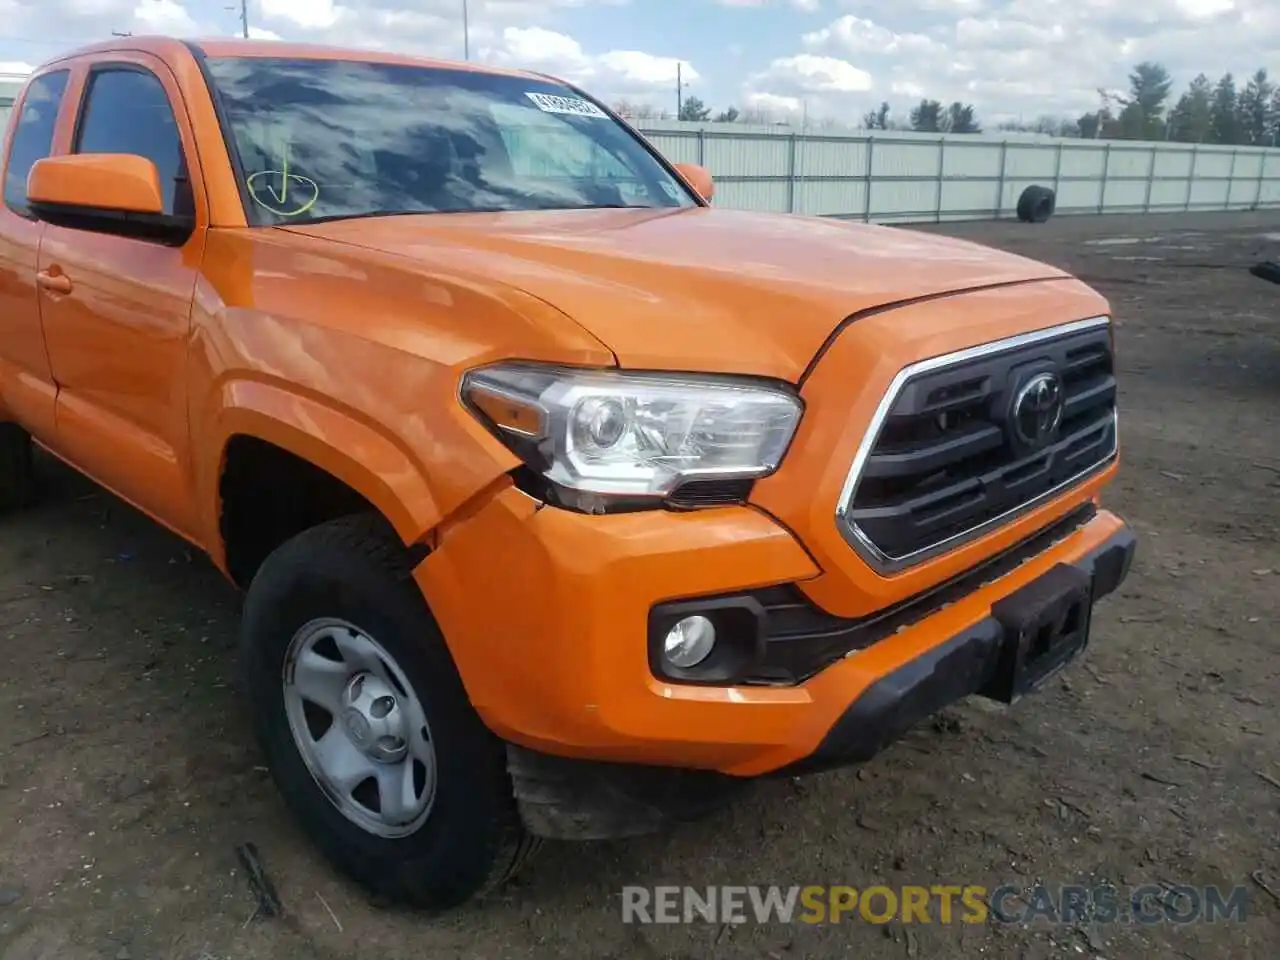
693 289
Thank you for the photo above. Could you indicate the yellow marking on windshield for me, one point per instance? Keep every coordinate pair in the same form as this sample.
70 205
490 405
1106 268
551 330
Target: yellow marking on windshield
278 198
262 182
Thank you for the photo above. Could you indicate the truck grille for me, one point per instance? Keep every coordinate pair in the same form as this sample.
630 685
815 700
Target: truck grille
963 442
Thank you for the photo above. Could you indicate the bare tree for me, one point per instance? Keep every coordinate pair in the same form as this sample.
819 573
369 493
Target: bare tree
758 115
877 119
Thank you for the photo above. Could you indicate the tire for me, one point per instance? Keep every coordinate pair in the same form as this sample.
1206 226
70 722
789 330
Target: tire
1036 205
1267 270
17 473
352 572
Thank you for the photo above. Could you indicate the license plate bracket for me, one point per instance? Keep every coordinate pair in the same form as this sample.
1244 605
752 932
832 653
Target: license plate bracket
1046 625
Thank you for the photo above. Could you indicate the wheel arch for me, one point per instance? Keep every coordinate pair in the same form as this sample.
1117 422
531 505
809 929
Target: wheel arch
283 427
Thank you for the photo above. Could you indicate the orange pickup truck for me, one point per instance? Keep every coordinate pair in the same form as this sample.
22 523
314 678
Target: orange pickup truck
564 503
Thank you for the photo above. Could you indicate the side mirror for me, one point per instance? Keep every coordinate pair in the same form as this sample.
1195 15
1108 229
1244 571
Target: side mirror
112 193
699 178
85 184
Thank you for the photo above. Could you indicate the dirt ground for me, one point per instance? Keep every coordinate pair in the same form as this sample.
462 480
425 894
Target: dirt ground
128 778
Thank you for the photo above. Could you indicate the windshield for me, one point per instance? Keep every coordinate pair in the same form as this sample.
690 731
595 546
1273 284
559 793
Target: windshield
323 139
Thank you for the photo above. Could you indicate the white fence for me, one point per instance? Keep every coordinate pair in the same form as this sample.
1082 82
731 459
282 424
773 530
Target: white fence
887 176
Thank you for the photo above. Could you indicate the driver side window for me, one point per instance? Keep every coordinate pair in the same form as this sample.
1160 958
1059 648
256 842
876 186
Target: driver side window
126 110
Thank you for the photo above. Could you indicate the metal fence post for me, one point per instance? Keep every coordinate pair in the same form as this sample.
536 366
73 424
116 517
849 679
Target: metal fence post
1231 178
1106 172
1262 168
802 169
702 147
1191 174
791 178
866 195
1057 173
1004 156
1151 179
942 166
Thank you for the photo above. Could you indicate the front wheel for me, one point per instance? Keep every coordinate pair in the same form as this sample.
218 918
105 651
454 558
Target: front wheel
366 726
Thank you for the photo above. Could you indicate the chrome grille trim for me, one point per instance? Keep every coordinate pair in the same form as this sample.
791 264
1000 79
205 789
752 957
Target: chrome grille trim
857 538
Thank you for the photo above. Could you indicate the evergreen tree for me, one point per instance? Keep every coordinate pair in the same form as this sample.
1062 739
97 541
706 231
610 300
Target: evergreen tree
1224 126
1254 109
1190 120
927 117
961 118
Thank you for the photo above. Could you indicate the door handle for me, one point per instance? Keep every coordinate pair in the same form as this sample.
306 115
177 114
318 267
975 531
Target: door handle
54 282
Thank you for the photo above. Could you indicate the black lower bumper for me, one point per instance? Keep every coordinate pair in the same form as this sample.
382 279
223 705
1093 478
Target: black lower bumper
974 662
569 799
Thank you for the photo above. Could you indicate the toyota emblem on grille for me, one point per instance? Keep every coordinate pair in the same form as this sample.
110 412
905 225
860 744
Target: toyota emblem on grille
1037 410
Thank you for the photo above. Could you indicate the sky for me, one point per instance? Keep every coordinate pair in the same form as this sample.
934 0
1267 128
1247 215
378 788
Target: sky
818 58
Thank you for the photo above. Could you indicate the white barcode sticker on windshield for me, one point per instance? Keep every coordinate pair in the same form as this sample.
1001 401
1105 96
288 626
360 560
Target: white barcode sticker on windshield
574 106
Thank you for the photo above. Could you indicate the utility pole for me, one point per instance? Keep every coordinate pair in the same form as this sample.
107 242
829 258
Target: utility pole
466 32
244 17
679 90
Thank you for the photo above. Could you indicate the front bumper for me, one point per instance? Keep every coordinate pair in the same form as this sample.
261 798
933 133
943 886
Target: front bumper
963 665
546 615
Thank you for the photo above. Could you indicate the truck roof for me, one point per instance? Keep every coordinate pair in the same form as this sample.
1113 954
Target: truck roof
164 46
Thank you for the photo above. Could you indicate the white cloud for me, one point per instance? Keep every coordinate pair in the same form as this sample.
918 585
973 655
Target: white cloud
855 35
773 103
1205 9
508 32
807 83
1007 57
165 16
306 14
80 19
615 73
810 73
638 70
535 47
1025 57
948 8
806 5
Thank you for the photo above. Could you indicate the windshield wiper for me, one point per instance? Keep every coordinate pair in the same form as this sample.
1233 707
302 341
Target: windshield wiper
367 214
362 215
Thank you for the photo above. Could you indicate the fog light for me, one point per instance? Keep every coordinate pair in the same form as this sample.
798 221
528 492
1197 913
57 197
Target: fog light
689 642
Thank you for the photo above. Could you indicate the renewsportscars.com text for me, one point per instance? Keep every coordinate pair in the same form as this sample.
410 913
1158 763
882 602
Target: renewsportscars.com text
939 903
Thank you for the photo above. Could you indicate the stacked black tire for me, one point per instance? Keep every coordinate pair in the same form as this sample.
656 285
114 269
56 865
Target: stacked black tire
1036 205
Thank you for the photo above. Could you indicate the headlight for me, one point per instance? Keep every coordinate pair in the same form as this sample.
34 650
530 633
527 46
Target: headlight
621 434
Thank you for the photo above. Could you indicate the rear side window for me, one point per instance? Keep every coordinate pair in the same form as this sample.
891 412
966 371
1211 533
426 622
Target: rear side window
32 135
128 111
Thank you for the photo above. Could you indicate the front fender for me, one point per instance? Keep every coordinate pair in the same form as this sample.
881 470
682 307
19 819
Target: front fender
362 455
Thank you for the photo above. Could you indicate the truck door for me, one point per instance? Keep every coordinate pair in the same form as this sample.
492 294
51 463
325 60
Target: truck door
117 305
26 384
